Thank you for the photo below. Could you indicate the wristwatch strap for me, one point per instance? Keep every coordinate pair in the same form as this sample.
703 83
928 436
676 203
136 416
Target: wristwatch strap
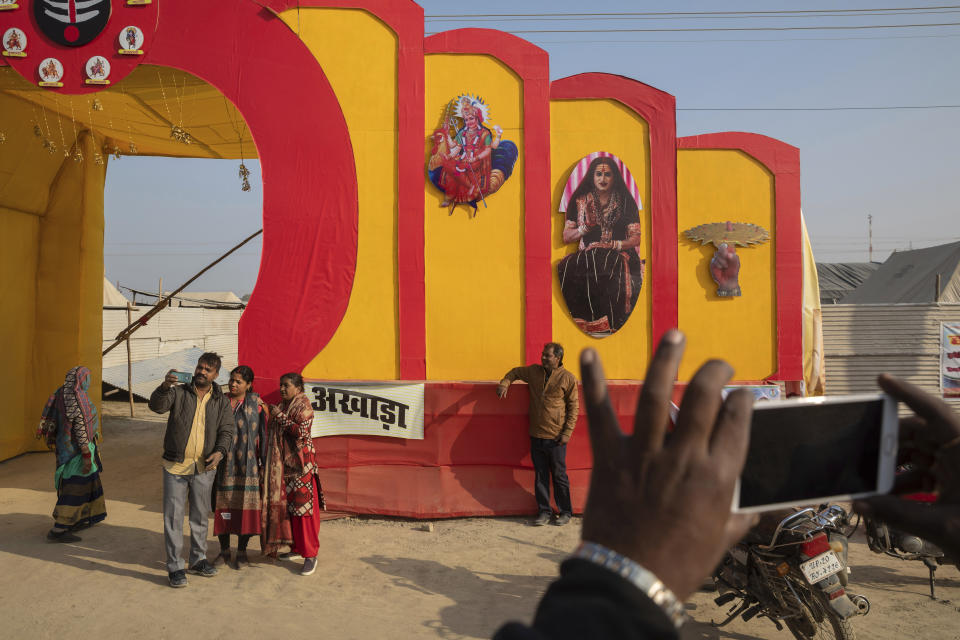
643 579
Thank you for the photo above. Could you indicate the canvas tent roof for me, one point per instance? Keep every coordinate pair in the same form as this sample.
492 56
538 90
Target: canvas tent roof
910 276
837 279
112 296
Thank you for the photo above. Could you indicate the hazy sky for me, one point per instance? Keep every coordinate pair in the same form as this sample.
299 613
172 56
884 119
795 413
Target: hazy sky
168 218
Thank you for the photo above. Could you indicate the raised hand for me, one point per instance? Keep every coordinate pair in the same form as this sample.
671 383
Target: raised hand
666 504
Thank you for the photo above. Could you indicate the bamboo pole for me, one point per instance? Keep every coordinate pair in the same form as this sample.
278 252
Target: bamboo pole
142 320
129 364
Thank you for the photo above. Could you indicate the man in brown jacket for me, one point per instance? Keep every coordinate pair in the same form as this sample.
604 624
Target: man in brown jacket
553 415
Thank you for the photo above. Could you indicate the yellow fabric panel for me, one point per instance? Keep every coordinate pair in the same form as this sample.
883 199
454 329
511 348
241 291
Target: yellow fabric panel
26 167
139 108
721 186
578 128
69 281
814 375
365 345
474 264
18 263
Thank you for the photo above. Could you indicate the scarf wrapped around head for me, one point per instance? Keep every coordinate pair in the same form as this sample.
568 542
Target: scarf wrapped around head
69 408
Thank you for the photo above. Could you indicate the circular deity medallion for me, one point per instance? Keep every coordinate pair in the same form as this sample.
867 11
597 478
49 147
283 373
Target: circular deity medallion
50 71
98 70
14 42
131 39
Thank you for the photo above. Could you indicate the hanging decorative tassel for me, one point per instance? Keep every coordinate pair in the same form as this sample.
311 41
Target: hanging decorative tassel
3 137
180 135
97 105
244 175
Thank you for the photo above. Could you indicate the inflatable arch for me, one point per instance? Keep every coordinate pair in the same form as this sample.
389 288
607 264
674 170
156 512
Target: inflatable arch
363 275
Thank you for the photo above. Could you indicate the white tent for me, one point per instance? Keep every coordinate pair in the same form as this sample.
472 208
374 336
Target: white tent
112 296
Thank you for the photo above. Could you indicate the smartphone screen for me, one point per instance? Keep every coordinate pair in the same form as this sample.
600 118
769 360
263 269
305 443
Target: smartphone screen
802 451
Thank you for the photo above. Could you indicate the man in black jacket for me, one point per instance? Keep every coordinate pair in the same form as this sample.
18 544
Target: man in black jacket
200 429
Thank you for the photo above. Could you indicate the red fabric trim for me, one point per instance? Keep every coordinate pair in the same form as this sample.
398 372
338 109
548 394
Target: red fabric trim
309 214
532 64
405 18
783 161
658 108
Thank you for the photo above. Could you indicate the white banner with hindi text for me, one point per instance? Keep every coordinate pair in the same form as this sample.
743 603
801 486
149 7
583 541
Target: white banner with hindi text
366 409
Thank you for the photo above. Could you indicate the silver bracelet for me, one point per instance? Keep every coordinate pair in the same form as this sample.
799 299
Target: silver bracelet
641 578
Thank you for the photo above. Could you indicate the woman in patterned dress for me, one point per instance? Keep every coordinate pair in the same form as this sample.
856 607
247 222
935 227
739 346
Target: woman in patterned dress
293 496
237 491
70 425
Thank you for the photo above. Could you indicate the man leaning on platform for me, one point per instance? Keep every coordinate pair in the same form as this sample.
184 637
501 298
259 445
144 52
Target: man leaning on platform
553 415
200 429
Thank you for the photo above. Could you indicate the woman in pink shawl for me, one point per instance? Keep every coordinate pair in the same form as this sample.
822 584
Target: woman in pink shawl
292 496
70 426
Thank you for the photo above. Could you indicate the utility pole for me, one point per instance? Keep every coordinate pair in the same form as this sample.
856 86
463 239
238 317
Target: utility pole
870 234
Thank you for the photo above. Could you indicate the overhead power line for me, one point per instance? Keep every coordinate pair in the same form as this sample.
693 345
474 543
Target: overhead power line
700 29
688 13
925 106
722 40
598 17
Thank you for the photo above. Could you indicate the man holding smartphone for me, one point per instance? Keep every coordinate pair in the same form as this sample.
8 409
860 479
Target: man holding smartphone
553 415
199 431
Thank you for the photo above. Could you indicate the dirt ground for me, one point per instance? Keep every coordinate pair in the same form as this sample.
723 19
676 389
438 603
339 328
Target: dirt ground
377 578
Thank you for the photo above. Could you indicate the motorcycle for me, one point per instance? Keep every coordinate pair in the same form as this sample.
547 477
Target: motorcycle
882 538
795 575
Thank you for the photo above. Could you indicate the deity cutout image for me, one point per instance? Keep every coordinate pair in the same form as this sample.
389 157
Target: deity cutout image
725 264
468 161
601 281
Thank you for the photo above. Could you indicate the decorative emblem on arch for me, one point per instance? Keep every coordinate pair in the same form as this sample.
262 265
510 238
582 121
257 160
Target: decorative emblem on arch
72 23
726 237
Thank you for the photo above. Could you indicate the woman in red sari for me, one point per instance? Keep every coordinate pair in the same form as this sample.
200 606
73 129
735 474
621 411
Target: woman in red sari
292 496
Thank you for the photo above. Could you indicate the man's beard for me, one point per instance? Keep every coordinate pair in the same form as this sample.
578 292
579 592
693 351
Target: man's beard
200 382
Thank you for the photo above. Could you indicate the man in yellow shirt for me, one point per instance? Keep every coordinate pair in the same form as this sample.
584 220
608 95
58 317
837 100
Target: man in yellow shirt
200 429
553 415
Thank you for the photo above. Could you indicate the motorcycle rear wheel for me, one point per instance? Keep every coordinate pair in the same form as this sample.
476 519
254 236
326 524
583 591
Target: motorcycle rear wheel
821 621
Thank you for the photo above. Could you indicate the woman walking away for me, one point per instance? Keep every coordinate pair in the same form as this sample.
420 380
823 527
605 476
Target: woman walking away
292 496
70 426
237 490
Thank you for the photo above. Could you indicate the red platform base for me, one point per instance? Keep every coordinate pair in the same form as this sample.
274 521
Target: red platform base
474 459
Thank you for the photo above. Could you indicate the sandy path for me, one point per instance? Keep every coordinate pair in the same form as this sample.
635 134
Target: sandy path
377 577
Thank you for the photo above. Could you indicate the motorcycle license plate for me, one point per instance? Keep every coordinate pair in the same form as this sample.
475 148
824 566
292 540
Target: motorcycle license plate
824 565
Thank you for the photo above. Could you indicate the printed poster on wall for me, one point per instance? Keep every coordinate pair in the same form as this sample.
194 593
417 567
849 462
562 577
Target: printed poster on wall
601 280
366 409
469 161
950 359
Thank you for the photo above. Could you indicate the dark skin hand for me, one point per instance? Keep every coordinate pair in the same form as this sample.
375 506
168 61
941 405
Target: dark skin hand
930 441
666 505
